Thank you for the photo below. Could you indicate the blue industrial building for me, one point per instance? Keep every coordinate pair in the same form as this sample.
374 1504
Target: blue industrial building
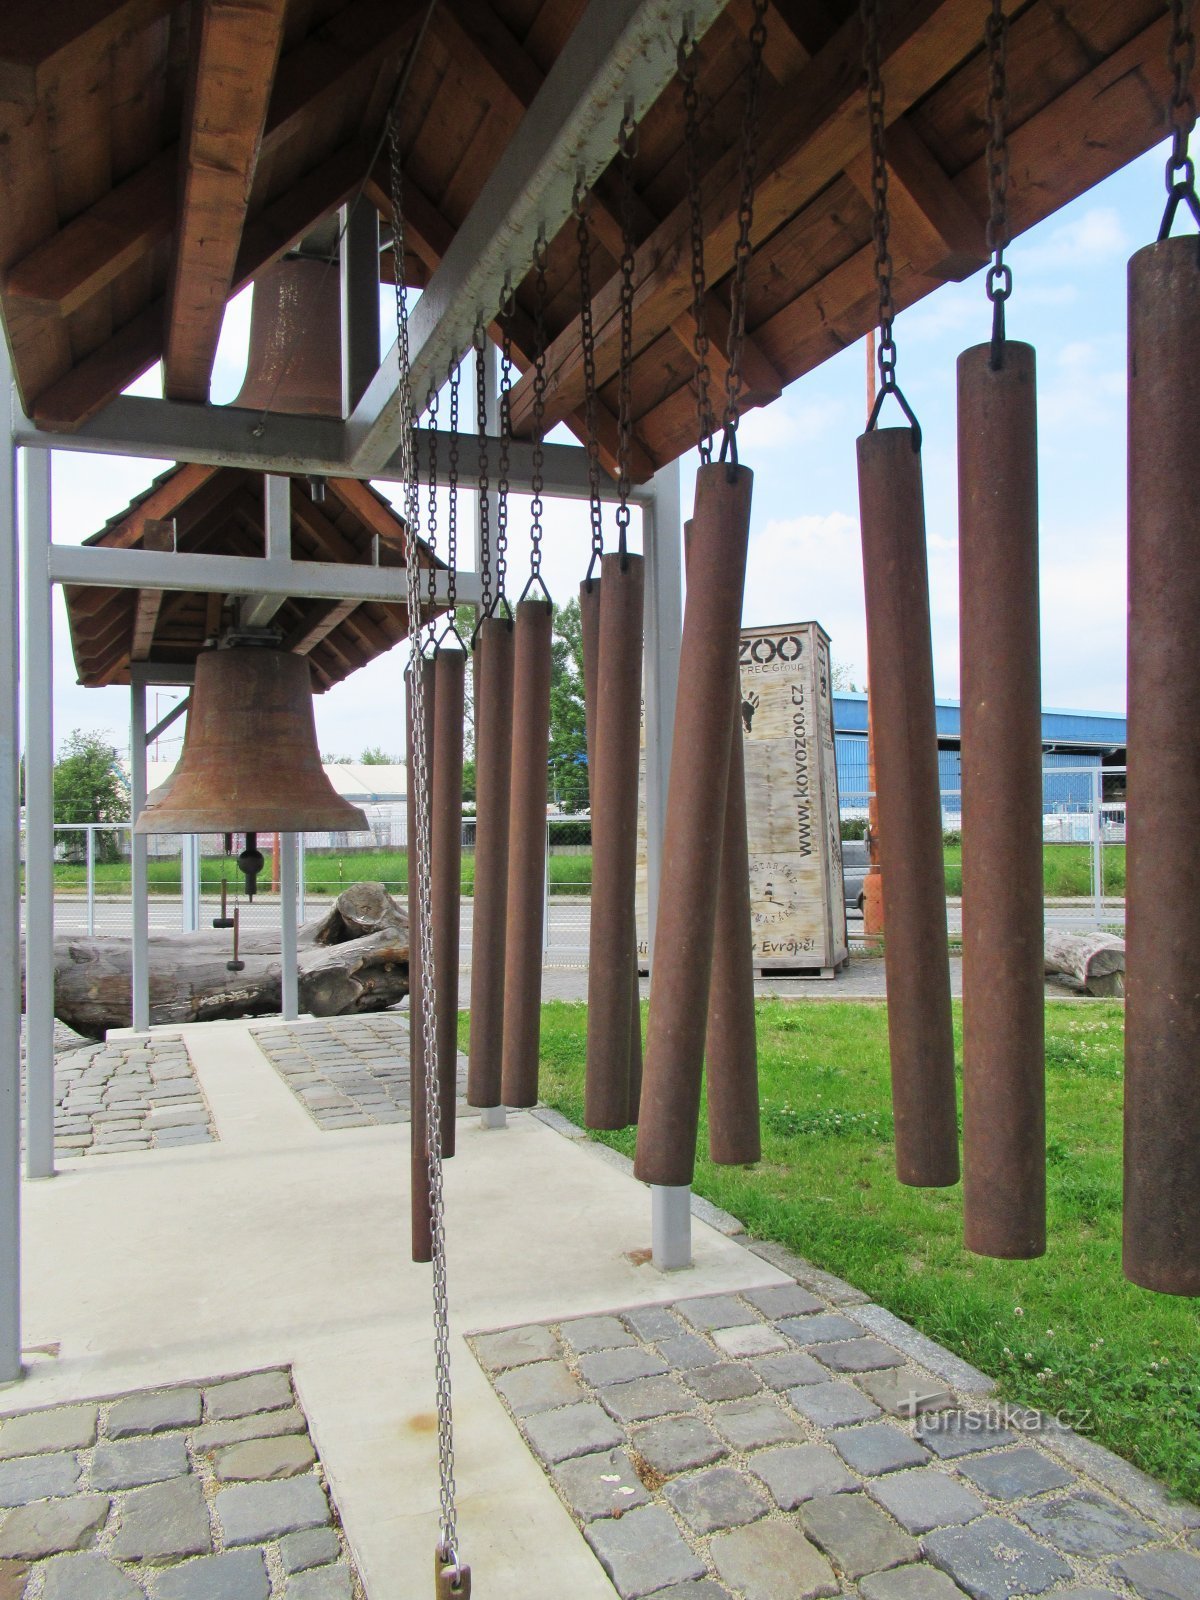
1071 740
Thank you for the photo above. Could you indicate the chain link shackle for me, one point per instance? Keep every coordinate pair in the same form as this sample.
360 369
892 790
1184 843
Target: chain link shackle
742 249
587 346
537 470
431 514
705 421
999 274
508 306
881 223
447 1552
1181 116
627 146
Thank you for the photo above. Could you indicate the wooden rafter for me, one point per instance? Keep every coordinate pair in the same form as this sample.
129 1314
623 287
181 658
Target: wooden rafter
156 535
233 61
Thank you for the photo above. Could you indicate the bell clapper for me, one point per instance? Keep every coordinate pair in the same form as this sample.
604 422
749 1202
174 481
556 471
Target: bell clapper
250 864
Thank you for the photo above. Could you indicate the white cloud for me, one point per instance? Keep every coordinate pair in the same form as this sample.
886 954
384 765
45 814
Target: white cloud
1094 236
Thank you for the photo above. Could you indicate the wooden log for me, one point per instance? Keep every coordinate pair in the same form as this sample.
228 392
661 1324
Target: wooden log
1096 960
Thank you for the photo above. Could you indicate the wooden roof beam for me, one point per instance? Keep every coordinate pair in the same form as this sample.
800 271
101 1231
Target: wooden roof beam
319 620
938 226
156 535
233 61
36 39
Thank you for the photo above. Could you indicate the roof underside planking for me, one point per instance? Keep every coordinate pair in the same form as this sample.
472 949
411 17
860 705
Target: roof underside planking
156 155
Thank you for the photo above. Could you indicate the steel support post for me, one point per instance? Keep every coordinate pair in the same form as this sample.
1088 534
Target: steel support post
662 546
138 842
301 902
91 882
189 874
10 900
39 822
359 273
289 966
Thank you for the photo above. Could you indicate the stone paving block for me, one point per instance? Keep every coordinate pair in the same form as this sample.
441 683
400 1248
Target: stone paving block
156 1412
753 1424
923 1498
260 1460
323 1583
586 1334
1087 1594
905 1393
796 1473
919 1582
678 1445
1161 1574
1086 1524
783 1300
772 1561
856 1534
727 1380
833 1404
877 1448
645 1398
698 1589
239 1397
266 1425
541 1386
40 1432
755 1340
572 1431
950 1434
994 1560
311 1547
49 1527
12 1579
163 1522
857 1355
822 1328
600 1485
719 1497
789 1368
687 1350
514 1347
87 1577
1015 1474
250 1513
620 1366
233 1575
37 1478
643 1551
715 1311
652 1322
135 1462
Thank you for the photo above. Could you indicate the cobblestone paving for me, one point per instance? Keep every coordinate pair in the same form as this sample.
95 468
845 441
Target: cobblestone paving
348 1072
205 1491
773 1446
129 1094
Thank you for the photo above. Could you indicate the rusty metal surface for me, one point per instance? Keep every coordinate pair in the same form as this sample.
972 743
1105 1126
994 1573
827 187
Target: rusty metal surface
418 1128
527 852
449 672
900 665
685 924
493 767
1004 1008
251 762
612 961
1162 894
285 371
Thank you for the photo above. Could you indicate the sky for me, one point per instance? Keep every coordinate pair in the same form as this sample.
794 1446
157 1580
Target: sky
804 561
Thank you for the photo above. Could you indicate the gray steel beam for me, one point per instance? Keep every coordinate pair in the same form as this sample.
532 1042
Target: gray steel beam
10 897
289 859
140 888
358 268
258 609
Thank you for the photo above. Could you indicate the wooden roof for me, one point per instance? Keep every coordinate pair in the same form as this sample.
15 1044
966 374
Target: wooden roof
219 510
155 155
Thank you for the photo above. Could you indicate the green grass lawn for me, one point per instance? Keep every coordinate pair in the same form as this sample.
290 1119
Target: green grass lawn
1066 869
1066 1333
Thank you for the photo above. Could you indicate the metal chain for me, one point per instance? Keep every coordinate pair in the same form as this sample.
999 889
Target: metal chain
627 145
742 249
537 474
431 515
479 343
448 1514
705 421
999 274
1181 117
587 345
508 306
454 373
881 224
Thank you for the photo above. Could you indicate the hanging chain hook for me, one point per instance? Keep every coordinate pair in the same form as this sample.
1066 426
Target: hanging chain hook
743 249
881 225
537 471
686 61
999 274
627 145
508 307
1181 118
587 345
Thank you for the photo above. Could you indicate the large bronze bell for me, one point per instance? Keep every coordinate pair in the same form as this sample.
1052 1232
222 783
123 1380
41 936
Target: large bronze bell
250 762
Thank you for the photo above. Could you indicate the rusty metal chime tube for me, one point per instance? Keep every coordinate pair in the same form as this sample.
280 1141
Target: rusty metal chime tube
422 1243
527 852
449 672
612 971
1004 1056
1162 895
696 804
900 660
493 764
